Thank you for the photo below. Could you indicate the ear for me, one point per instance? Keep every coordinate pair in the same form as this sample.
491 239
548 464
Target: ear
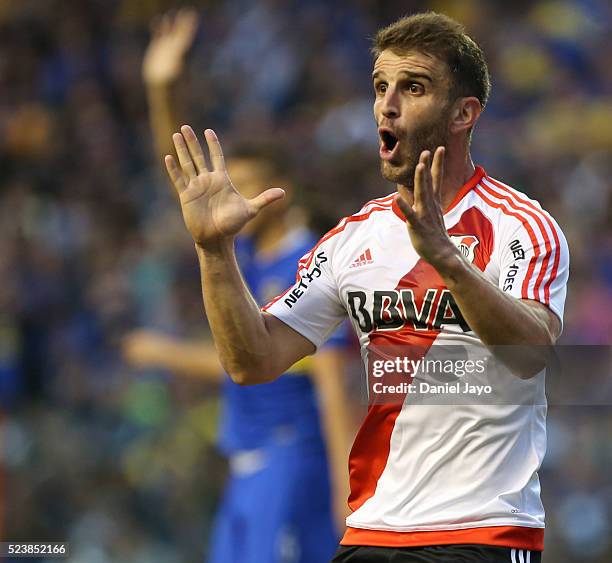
464 114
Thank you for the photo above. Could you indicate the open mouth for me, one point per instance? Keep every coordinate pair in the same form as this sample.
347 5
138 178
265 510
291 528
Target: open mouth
389 140
389 143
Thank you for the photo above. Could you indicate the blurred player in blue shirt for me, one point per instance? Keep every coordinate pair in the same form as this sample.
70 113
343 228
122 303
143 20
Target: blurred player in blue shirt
287 441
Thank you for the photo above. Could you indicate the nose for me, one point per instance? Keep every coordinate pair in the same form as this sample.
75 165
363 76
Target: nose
390 104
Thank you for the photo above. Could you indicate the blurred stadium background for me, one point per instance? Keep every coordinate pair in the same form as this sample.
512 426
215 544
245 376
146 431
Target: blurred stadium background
121 464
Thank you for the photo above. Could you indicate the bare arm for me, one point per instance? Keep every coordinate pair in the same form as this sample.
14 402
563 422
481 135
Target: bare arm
328 371
253 347
162 66
163 63
500 319
151 349
162 117
496 317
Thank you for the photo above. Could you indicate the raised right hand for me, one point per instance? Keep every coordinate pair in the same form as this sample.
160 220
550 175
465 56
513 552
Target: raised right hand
212 208
171 38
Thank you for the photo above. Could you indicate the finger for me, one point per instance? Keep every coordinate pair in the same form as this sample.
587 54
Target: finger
421 188
214 148
195 149
176 176
183 155
266 198
155 26
437 173
426 160
406 209
187 23
165 24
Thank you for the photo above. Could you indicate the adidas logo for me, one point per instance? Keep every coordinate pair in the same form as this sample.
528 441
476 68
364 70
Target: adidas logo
365 258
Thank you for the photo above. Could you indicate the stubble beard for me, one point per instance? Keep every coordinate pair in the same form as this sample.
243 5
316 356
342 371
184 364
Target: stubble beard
427 137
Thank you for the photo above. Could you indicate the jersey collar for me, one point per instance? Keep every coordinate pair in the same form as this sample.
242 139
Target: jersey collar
467 187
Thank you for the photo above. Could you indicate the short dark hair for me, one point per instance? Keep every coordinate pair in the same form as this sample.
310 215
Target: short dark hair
445 39
271 157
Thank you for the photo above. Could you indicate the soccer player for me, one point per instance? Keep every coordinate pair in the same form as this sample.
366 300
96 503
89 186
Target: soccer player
287 442
455 256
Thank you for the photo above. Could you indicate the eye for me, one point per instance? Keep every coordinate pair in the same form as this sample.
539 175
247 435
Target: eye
380 87
416 88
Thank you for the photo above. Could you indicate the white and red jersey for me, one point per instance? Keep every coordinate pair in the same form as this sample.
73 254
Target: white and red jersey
432 474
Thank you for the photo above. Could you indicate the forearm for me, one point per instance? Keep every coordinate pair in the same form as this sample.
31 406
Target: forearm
498 318
328 374
162 116
253 347
238 326
192 359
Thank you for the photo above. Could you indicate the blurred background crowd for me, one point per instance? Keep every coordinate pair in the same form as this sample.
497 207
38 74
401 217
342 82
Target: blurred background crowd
122 463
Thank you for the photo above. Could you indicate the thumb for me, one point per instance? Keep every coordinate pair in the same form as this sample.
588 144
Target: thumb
266 198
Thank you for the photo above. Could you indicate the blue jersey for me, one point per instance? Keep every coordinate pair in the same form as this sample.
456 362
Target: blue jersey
285 409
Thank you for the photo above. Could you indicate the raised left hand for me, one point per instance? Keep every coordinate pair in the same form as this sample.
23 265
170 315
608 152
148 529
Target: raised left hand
424 218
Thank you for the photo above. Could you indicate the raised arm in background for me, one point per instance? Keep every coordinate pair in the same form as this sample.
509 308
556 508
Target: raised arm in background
163 64
172 36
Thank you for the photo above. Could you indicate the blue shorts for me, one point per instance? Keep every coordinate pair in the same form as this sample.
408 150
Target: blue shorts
277 511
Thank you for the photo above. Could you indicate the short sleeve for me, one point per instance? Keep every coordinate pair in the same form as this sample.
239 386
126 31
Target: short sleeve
341 337
534 262
312 305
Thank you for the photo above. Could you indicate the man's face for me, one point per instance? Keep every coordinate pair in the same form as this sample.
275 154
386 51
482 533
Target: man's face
251 177
411 108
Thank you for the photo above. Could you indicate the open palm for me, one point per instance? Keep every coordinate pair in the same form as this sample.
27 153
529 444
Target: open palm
212 207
